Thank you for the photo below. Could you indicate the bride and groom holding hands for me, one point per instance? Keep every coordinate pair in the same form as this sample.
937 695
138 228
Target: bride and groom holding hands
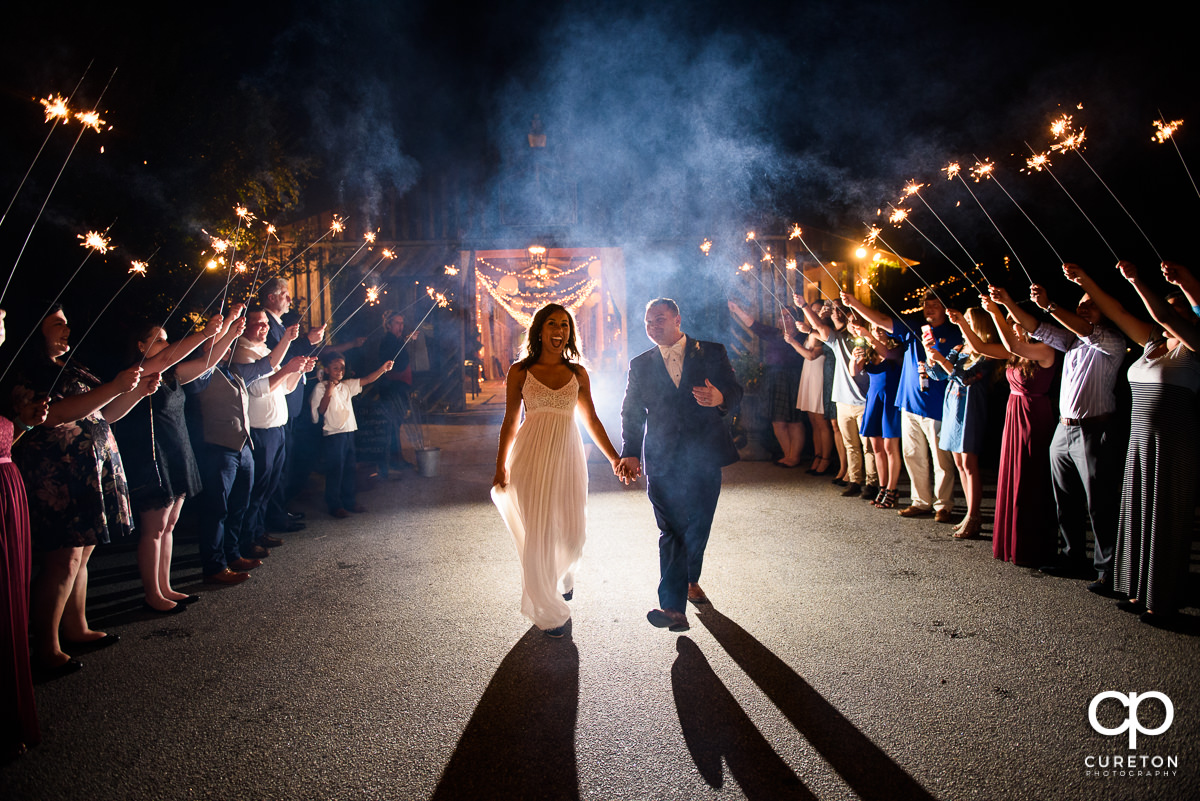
675 432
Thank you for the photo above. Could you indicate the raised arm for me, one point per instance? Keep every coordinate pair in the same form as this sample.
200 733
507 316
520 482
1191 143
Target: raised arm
1025 318
1176 325
1064 317
373 377
1038 352
174 353
1135 328
740 314
76 407
1182 277
871 315
992 350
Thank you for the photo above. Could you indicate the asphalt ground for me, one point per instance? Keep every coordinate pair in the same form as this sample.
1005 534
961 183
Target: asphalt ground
847 654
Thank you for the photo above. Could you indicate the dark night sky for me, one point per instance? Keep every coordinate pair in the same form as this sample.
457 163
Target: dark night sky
694 117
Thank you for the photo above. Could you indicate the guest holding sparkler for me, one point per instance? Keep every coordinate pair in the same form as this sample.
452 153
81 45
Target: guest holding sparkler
1158 499
920 402
1023 533
964 409
19 730
880 358
1083 460
394 389
782 383
849 395
75 483
159 462
333 410
811 395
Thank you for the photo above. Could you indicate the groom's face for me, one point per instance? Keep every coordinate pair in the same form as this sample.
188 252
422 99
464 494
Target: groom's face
662 325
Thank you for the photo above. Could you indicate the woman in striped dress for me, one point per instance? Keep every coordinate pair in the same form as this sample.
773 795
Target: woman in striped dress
1158 495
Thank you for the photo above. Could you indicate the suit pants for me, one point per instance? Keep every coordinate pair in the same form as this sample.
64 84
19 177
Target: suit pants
860 459
918 439
269 463
1082 464
684 503
228 476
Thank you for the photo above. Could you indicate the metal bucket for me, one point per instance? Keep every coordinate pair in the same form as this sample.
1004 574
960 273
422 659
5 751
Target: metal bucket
427 461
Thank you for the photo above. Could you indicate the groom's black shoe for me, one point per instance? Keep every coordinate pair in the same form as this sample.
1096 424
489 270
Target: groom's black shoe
668 619
569 594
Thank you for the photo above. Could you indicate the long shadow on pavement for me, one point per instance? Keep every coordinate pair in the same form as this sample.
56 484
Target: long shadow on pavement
869 772
520 742
714 726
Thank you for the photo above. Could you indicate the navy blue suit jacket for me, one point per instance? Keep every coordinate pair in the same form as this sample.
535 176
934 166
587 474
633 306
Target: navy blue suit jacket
664 426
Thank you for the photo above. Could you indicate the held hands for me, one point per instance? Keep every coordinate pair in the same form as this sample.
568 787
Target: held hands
860 356
628 469
148 384
988 304
1129 270
34 410
213 326
291 332
388 365
1000 295
127 379
315 335
955 316
1176 273
708 395
298 364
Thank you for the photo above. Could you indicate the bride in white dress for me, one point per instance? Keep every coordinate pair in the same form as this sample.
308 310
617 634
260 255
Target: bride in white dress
541 480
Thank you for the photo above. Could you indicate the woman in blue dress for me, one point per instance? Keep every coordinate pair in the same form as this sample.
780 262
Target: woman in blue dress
967 371
880 358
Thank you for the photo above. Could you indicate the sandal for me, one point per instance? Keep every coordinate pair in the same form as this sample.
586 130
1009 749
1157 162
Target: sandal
969 529
888 499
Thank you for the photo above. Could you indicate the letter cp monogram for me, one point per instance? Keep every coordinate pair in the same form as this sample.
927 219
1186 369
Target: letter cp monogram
1132 723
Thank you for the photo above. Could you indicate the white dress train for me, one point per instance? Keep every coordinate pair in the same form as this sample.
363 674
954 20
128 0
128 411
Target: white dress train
545 502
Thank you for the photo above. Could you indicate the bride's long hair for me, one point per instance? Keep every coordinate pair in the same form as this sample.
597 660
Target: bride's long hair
532 350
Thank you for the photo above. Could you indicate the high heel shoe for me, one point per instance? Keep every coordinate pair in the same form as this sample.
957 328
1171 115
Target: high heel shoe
887 499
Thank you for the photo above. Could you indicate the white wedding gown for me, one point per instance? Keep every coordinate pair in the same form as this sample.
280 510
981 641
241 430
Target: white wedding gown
545 502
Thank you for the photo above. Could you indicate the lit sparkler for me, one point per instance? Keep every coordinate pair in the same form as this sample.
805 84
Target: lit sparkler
373 295
746 267
706 246
951 170
795 233
439 301
96 241
450 269
897 216
912 188
90 119
749 236
338 224
137 267
872 234
1061 126
56 108
983 170
370 237
1037 162
1163 130
790 264
244 214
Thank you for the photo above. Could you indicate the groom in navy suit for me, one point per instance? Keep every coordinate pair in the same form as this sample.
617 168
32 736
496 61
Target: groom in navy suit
675 431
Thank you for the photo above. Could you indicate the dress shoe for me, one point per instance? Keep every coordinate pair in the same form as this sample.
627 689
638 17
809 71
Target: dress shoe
58 671
96 644
558 631
696 595
839 482
295 516
174 610
851 489
340 514
569 594
668 619
870 492
243 564
915 511
267 541
227 577
256 552
943 515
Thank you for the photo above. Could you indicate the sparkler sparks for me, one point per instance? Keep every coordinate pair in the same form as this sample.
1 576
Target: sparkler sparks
56 108
90 119
1037 162
244 213
1061 126
1163 130
749 236
372 295
1072 142
271 231
240 267
790 264
369 236
766 256
912 188
96 241
439 299
951 170
219 245
387 254
982 170
338 224
746 267
795 233
898 216
872 234
706 246
138 267
450 269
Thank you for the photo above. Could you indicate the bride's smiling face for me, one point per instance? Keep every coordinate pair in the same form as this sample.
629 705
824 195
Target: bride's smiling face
556 332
